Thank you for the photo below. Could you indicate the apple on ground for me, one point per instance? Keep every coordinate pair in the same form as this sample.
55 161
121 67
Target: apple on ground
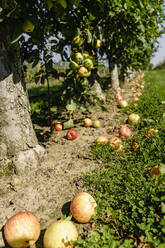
102 140
71 134
96 124
123 103
22 230
155 172
59 233
133 118
135 98
116 144
83 207
87 122
125 131
151 132
58 127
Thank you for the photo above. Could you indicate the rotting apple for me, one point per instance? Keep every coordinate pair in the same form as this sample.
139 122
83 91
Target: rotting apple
96 124
133 118
125 131
151 132
102 140
135 146
83 207
71 134
59 234
155 172
58 127
22 230
87 122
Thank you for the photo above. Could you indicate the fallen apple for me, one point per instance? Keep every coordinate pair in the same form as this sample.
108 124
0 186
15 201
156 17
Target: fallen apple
96 124
116 144
125 131
133 118
118 95
71 134
123 103
155 171
151 132
83 207
59 234
135 98
22 230
87 122
102 140
135 145
58 127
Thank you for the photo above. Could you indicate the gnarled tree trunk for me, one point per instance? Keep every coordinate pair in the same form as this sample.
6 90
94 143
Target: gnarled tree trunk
113 73
18 142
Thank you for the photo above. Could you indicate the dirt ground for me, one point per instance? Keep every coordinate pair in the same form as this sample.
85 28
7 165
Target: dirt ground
47 191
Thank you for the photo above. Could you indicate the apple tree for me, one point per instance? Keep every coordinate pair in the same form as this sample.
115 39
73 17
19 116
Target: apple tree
38 19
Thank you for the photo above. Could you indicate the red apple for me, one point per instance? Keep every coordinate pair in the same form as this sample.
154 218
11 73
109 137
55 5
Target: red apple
22 230
142 87
96 124
59 234
125 131
135 98
133 118
102 139
83 207
71 134
118 95
87 122
58 127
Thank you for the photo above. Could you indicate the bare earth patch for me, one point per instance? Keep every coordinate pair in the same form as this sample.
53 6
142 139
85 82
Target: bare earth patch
48 190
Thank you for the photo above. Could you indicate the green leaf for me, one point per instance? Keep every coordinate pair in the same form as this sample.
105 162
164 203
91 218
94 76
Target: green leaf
16 31
68 124
72 106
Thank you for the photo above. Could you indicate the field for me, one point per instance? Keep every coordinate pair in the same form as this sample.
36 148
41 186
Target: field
129 193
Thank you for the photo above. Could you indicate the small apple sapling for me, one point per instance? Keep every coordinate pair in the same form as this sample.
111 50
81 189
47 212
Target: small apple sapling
71 134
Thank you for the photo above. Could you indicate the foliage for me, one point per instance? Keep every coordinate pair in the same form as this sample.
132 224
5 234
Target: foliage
130 199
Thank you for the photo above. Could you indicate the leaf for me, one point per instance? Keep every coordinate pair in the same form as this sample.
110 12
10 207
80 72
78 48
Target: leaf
68 124
63 3
16 31
72 106
162 168
163 207
75 2
89 36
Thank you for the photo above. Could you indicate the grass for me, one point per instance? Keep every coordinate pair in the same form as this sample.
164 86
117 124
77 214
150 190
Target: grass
131 202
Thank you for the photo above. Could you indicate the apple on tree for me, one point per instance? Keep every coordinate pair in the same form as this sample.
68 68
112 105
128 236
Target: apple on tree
83 72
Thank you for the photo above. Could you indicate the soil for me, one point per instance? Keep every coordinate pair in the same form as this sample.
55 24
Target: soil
47 191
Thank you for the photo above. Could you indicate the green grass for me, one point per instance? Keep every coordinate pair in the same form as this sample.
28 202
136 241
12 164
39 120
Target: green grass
130 201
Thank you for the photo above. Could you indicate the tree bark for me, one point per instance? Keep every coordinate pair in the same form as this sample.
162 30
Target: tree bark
18 142
113 74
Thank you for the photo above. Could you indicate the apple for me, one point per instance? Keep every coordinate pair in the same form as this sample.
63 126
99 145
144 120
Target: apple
98 43
133 118
116 144
102 139
138 93
123 103
151 132
125 131
135 98
85 55
27 26
96 124
58 127
71 134
78 57
117 94
59 234
135 145
134 105
83 207
83 72
87 122
22 230
142 87
88 64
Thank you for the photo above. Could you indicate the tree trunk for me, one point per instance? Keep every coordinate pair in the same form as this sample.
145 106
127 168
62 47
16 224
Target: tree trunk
18 142
95 86
114 74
